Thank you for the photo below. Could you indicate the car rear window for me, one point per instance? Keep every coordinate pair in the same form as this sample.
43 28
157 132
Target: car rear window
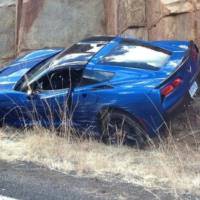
135 55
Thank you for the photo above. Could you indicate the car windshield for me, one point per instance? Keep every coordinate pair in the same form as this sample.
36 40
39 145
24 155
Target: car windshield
134 55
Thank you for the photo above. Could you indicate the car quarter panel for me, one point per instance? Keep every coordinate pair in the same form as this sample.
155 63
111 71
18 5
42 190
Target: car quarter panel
138 102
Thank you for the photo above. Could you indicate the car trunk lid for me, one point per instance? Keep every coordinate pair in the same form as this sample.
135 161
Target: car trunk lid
184 62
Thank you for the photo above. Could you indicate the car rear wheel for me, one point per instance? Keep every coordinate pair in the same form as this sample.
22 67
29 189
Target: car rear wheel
120 129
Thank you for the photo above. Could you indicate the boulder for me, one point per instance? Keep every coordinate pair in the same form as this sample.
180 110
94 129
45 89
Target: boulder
157 9
139 33
131 13
196 4
7 29
50 23
173 19
181 27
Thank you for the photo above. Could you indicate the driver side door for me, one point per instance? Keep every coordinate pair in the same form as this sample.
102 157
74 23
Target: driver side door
87 98
50 108
50 99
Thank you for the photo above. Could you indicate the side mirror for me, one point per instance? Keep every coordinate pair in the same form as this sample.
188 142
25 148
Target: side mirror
32 94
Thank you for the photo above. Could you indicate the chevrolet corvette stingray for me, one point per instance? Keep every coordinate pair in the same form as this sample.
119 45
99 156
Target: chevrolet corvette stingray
115 86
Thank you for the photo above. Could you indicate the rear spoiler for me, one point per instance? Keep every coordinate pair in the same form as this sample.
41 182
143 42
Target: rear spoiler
191 46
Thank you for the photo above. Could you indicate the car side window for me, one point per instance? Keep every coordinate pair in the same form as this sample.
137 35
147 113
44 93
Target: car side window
91 77
57 80
135 55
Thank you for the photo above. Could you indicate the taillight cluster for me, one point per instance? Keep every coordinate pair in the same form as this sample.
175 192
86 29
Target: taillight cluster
168 89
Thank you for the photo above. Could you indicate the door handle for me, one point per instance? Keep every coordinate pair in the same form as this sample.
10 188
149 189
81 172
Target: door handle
102 87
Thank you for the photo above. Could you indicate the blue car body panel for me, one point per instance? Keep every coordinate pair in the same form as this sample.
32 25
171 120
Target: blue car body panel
136 91
10 74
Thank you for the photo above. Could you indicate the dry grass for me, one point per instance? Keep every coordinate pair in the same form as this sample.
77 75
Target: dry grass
174 163
174 166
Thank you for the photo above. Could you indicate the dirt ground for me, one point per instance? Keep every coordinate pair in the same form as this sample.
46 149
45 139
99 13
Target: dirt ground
185 127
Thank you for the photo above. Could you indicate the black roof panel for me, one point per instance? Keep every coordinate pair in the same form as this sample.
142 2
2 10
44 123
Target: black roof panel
98 39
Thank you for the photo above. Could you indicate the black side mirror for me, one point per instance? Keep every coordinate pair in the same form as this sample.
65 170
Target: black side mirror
31 94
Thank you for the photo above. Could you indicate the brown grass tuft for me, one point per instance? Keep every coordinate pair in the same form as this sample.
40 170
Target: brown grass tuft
174 163
176 167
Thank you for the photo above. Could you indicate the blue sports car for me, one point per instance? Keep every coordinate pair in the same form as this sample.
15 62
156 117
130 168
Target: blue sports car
115 87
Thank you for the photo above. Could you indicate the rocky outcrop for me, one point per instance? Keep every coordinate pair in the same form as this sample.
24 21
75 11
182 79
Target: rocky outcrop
7 29
158 9
164 19
131 13
33 24
182 27
137 32
173 19
50 23
122 14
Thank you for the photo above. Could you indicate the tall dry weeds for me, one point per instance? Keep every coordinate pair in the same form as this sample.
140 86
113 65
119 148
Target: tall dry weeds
172 164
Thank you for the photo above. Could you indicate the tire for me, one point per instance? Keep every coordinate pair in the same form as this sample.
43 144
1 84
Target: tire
119 128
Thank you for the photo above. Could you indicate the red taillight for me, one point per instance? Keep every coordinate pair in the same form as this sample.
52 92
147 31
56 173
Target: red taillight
177 82
167 90
170 88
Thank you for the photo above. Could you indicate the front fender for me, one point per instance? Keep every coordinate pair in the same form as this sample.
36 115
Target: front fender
13 107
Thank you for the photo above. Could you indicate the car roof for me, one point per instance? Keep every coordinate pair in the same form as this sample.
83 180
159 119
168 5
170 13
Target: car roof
74 56
99 38
83 59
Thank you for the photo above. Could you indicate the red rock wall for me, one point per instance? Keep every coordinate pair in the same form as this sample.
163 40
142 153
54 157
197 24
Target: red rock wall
50 23
169 19
33 24
7 30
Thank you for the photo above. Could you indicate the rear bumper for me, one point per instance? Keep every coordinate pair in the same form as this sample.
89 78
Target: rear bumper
182 104
178 107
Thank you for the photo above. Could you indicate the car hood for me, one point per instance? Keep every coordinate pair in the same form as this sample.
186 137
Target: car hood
12 73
